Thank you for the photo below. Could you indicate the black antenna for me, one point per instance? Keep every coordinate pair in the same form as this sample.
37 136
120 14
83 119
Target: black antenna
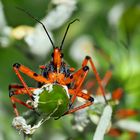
66 33
38 22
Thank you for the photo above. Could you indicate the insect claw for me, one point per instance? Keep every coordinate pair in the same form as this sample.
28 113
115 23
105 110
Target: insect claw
11 93
85 68
70 105
91 99
88 57
17 65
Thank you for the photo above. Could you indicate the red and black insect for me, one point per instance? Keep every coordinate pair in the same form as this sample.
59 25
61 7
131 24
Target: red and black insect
55 72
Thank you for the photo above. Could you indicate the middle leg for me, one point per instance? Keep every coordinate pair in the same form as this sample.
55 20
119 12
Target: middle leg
87 98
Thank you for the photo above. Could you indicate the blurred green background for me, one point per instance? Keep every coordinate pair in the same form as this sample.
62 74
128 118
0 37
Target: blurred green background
110 28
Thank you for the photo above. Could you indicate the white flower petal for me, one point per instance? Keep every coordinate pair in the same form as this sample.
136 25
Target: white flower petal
38 42
58 16
115 14
2 17
129 125
103 124
82 47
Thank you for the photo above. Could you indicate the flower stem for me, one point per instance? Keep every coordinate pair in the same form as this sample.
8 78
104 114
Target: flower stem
27 137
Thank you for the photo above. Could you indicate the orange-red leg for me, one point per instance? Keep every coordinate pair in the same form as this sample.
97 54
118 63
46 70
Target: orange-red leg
15 86
77 79
15 67
78 108
18 67
88 98
30 73
88 59
117 94
91 83
125 113
14 101
17 90
105 80
80 82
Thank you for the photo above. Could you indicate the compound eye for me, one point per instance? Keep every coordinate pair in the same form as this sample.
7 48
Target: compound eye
61 55
52 54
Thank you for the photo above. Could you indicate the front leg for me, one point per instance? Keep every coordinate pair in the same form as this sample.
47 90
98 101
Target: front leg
81 94
30 73
18 67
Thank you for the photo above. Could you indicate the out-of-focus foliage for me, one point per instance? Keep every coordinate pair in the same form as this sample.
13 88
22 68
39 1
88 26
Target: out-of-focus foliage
111 34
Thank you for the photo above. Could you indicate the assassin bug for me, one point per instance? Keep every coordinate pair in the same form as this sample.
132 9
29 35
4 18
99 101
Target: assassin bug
55 75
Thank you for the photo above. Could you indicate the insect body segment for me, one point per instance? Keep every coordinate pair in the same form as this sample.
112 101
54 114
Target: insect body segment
57 56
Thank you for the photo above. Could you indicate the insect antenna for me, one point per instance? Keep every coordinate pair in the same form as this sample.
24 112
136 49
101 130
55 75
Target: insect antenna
23 10
66 33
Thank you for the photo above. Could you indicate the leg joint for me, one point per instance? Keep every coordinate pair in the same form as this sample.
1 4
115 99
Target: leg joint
11 93
16 65
85 68
88 57
91 99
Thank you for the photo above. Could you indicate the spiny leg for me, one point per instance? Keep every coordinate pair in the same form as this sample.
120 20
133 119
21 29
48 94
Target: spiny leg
30 73
91 83
18 67
116 94
88 59
75 77
106 78
14 101
18 90
15 86
80 82
88 98
14 106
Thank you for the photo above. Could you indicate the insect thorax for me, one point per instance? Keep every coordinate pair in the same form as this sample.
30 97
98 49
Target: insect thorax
64 69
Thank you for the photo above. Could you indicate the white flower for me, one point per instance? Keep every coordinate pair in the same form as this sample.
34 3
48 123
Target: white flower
69 2
130 125
80 119
82 47
115 14
58 16
5 36
20 124
2 17
38 42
